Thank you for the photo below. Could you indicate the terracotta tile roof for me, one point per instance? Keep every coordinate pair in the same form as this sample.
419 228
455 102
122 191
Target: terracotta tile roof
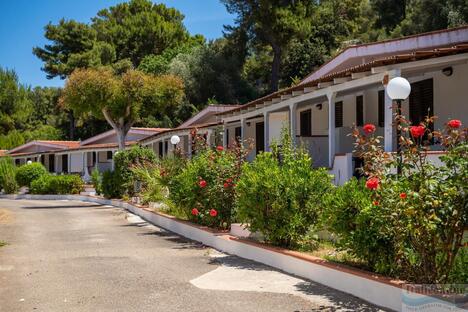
390 60
99 146
3 152
199 126
150 129
69 144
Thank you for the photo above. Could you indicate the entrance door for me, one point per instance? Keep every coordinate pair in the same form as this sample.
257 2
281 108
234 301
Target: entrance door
260 137
65 163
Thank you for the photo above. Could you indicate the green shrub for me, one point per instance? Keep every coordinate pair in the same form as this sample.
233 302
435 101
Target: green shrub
360 224
152 190
30 172
281 198
125 161
8 175
205 189
96 179
60 184
111 185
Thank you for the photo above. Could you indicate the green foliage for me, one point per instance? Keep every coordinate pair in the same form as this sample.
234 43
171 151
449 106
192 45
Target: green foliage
279 194
96 179
362 228
27 173
57 184
130 30
111 185
208 184
152 190
8 175
128 159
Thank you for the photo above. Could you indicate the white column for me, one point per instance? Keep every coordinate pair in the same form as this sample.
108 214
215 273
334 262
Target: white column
293 122
388 115
266 131
112 161
189 145
225 134
243 131
86 176
331 128
208 137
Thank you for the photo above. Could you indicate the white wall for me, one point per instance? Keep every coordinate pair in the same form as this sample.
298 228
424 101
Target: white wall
76 162
278 121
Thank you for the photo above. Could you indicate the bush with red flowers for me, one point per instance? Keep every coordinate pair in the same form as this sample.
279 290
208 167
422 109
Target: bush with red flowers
205 188
369 128
422 211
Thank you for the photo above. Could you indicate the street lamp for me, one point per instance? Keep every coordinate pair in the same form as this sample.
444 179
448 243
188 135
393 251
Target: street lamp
175 139
398 89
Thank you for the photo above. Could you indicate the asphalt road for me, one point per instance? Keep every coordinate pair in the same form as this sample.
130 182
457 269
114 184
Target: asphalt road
74 256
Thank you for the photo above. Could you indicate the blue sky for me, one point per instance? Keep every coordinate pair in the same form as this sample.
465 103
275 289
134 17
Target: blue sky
22 27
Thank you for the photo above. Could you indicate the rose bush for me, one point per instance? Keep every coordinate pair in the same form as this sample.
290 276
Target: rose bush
422 211
205 188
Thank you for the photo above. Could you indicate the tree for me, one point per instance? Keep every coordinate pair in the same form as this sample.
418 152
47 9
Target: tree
119 99
273 22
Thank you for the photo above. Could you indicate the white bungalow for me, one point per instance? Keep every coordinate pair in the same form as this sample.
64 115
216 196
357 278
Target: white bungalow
75 156
350 90
205 123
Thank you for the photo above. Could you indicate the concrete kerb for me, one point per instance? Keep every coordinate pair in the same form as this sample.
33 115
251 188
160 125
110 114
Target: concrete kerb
363 285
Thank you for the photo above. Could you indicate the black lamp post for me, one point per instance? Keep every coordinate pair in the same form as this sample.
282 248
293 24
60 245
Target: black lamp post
398 89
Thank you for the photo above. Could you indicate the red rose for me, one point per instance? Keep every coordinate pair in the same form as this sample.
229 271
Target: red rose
369 128
403 195
213 213
376 203
454 123
202 183
417 131
226 185
219 148
372 183
229 180
195 212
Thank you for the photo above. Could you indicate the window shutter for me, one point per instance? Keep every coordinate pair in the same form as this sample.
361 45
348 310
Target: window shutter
339 114
421 101
359 111
381 108
306 123
227 137
160 148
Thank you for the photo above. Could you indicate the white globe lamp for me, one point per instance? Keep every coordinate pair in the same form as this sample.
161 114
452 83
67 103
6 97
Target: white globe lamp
29 162
398 88
175 139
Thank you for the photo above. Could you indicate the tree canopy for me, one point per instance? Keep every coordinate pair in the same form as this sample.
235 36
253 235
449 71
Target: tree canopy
120 99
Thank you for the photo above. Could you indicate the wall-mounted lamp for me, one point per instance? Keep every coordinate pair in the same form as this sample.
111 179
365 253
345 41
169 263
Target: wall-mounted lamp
318 106
248 124
447 71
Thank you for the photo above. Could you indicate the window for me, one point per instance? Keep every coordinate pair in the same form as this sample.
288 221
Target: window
381 108
17 162
227 137
421 101
65 163
359 111
51 163
166 147
238 133
339 114
306 123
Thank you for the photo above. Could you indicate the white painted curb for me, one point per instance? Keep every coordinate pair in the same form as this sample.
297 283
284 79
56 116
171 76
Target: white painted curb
379 293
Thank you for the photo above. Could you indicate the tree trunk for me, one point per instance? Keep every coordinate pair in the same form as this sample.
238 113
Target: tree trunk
275 67
71 117
121 128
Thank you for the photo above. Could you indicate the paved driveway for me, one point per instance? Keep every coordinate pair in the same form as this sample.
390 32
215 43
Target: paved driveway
74 256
